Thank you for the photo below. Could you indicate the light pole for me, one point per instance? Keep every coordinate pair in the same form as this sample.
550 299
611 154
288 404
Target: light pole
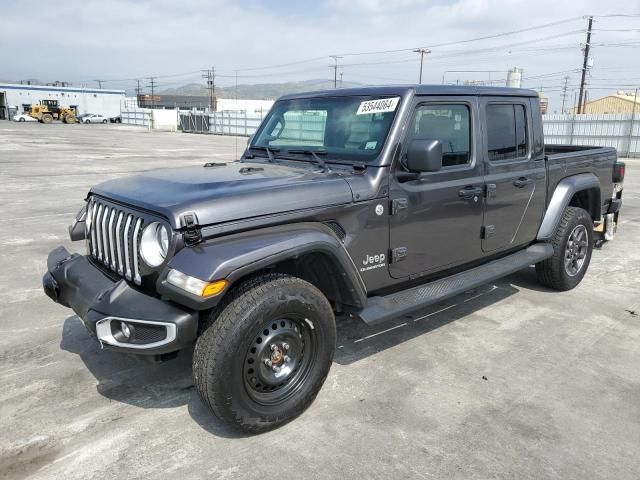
422 52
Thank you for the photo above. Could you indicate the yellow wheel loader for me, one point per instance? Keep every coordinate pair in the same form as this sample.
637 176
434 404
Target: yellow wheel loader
49 110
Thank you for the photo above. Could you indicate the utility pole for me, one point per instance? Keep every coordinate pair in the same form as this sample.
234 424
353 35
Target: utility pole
422 52
210 75
138 92
99 82
152 84
341 73
564 92
585 63
335 70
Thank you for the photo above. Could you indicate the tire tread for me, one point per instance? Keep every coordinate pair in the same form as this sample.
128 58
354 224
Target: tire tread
213 346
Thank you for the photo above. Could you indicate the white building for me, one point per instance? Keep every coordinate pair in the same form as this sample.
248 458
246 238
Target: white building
15 98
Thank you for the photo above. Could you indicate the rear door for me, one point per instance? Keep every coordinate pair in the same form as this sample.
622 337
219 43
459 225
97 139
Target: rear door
436 219
515 174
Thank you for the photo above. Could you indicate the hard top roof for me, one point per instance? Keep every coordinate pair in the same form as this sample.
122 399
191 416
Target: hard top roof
403 90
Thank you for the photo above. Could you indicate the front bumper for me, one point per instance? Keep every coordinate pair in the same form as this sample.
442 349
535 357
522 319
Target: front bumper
155 326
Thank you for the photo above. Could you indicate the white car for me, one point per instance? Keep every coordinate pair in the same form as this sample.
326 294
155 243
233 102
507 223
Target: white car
92 118
23 117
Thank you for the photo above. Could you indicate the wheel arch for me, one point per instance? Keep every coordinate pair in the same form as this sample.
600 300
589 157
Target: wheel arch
310 251
581 191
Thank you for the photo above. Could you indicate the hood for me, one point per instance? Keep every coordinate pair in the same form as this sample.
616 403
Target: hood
233 191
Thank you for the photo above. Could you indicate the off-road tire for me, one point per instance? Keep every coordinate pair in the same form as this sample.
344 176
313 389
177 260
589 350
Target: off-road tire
254 310
47 118
553 272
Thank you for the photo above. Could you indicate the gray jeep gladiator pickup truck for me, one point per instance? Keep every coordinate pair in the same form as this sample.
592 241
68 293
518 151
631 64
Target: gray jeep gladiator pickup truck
369 203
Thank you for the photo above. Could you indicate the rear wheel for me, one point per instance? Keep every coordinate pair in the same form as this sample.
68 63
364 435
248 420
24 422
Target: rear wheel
22 120
104 121
572 247
262 360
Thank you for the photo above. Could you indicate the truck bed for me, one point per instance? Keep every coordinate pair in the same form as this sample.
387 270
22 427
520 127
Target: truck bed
566 160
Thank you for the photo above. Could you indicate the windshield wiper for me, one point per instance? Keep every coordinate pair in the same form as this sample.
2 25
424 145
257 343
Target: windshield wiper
269 151
321 163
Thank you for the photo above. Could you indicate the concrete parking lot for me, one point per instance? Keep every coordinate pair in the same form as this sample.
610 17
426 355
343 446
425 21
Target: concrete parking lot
507 381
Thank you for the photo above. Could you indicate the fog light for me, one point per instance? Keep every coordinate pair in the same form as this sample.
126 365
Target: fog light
126 331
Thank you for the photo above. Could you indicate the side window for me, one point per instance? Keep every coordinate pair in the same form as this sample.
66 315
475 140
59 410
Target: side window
448 123
506 132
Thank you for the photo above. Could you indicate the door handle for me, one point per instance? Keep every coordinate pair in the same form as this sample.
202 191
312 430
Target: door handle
522 182
470 192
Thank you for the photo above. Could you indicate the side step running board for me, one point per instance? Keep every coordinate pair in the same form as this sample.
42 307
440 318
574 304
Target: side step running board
381 309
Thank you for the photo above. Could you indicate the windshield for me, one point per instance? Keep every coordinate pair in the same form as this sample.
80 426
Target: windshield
343 128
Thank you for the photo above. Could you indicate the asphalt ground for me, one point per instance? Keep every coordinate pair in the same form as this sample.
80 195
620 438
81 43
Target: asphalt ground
507 381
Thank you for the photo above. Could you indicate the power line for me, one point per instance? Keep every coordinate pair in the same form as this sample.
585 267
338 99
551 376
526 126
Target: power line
410 49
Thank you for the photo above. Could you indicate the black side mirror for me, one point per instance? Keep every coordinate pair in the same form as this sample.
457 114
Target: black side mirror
424 156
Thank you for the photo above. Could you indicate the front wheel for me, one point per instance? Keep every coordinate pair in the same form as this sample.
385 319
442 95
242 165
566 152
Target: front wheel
22 120
262 360
572 247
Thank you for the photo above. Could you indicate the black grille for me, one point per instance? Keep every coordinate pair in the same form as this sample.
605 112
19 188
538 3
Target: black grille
144 333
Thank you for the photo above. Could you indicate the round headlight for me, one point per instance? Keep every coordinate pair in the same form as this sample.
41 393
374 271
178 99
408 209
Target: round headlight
154 244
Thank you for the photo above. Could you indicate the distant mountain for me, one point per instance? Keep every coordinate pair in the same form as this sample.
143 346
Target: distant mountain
259 91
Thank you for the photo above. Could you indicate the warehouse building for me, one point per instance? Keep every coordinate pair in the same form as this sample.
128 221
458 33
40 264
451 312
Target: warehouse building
621 102
201 102
18 98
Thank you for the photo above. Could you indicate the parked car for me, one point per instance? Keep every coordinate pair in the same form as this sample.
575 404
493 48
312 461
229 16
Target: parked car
23 117
116 119
388 200
93 118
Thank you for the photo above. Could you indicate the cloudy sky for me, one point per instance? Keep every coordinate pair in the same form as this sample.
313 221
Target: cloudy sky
118 41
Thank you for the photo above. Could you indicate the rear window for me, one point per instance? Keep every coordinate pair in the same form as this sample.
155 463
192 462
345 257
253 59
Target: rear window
506 132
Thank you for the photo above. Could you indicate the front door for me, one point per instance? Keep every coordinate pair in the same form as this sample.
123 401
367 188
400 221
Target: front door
515 174
436 219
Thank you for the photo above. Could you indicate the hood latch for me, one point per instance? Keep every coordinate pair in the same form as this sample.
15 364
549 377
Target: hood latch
192 234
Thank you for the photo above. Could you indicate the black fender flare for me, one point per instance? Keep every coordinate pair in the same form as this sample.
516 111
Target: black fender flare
234 257
562 195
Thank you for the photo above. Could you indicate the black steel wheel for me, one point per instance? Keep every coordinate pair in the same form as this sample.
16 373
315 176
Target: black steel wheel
265 352
572 247
279 361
